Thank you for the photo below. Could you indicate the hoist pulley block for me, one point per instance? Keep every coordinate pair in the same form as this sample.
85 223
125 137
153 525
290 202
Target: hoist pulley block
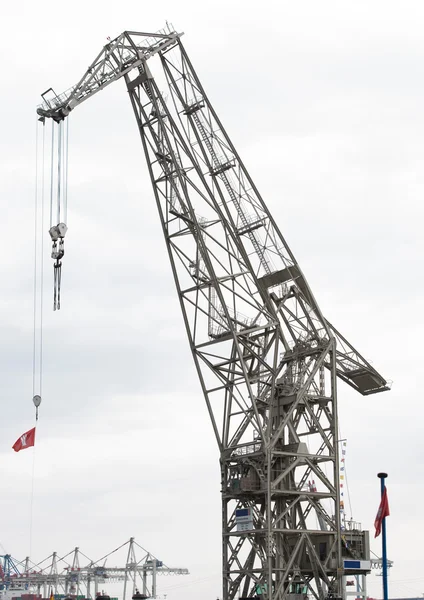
58 231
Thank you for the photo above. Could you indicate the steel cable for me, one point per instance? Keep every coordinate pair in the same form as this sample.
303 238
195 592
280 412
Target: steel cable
51 176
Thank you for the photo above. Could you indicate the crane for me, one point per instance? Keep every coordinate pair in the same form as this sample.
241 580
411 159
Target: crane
66 575
267 359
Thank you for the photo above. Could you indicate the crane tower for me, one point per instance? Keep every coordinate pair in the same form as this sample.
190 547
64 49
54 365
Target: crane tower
267 359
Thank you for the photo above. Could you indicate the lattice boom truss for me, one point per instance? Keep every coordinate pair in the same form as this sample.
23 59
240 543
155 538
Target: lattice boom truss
72 576
267 359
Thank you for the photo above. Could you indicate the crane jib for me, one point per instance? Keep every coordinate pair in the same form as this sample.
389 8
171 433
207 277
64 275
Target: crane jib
117 58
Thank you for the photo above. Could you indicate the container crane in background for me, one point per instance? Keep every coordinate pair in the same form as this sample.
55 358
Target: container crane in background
70 576
267 359
9 568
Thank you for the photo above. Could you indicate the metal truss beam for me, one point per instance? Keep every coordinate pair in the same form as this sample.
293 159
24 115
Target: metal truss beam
268 361
70 576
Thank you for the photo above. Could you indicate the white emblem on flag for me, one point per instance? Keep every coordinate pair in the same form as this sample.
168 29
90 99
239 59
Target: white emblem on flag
23 439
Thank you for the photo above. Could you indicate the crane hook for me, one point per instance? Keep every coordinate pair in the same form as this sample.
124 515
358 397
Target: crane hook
37 402
57 233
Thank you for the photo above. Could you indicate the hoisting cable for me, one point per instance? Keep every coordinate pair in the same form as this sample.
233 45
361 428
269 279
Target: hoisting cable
59 166
34 345
37 362
59 197
65 172
38 275
51 177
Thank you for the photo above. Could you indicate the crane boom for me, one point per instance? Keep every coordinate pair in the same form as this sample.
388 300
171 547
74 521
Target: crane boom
121 55
130 51
267 360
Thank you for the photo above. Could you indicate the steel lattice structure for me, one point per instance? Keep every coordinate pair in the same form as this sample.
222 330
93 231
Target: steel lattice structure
267 359
68 575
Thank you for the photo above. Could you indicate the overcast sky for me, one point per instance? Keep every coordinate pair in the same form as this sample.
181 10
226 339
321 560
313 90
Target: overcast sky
324 101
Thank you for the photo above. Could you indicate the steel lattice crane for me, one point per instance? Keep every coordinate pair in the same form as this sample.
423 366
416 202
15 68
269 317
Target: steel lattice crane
268 361
65 574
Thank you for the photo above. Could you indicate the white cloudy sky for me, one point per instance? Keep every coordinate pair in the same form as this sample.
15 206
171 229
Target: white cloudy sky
324 102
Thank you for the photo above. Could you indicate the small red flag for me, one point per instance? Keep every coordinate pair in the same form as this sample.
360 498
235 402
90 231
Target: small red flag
383 511
25 441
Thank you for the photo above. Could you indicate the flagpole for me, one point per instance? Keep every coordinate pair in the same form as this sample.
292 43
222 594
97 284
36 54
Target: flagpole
382 477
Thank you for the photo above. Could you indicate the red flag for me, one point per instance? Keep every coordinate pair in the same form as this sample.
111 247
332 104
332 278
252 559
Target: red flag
383 511
26 440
